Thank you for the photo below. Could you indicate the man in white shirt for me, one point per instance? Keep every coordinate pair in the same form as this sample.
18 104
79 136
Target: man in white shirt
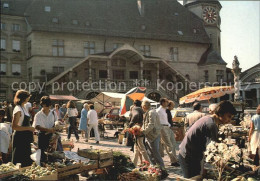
92 121
44 122
167 135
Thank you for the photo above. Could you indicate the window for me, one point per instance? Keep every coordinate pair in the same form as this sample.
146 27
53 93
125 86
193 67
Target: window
58 48
180 32
6 5
57 69
206 75
174 53
3 26
75 22
89 48
3 95
102 74
16 46
30 74
147 74
2 69
55 20
119 74
3 44
47 9
16 69
118 63
117 45
29 46
219 75
16 27
133 74
145 49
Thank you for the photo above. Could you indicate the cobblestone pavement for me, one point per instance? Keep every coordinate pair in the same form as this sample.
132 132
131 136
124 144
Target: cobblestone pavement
112 143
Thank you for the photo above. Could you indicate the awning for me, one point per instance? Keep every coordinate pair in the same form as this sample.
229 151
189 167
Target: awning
63 98
207 93
104 97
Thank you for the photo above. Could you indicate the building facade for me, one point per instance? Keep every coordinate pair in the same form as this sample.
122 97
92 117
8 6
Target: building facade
153 41
250 86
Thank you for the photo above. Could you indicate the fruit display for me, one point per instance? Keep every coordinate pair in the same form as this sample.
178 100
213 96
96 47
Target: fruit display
95 154
36 172
8 167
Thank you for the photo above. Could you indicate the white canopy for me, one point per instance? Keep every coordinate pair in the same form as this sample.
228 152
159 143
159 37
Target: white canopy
105 97
114 98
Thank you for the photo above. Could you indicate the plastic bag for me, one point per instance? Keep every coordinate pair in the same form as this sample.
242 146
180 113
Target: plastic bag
36 156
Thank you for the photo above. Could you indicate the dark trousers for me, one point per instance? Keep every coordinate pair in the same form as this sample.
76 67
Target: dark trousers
43 144
73 127
190 166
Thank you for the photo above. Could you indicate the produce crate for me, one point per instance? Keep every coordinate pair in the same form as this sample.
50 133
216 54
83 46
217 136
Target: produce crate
95 154
7 174
105 163
53 176
69 170
92 166
101 159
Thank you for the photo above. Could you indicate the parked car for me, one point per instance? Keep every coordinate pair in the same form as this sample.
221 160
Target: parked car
179 113
109 113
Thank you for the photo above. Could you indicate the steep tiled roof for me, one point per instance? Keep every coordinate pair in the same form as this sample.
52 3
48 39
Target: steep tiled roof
161 19
16 7
211 57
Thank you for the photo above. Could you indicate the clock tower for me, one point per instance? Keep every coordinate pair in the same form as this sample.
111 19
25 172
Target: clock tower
209 12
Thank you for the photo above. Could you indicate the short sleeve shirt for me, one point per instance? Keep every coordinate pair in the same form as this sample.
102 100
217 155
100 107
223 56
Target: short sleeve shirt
72 112
45 121
23 111
92 116
256 121
197 137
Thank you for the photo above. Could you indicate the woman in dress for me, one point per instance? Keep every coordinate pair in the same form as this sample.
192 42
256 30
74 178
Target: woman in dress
254 134
72 113
23 131
83 121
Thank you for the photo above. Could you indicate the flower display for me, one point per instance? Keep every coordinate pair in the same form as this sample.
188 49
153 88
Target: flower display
219 154
135 130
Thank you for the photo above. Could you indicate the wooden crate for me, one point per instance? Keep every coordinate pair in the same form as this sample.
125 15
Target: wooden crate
105 163
7 174
53 176
69 170
88 153
90 167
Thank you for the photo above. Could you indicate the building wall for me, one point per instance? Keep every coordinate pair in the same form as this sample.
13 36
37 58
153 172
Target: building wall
10 57
188 53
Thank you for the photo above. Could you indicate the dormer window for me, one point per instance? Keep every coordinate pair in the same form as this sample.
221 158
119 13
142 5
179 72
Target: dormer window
75 22
47 9
180 32
6 5
143 27
55 20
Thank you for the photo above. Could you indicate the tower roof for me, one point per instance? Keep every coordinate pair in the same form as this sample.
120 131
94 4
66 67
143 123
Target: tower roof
211 57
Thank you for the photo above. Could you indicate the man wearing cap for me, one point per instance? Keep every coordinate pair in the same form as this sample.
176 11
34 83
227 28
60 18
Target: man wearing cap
191 118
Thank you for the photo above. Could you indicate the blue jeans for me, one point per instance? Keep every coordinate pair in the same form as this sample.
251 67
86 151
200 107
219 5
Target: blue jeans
73 127
190 167
156 153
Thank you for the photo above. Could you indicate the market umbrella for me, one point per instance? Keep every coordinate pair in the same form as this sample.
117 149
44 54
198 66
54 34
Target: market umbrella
207 93
136 93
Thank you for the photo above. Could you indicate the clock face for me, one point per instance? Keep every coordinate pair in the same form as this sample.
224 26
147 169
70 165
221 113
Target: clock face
209 15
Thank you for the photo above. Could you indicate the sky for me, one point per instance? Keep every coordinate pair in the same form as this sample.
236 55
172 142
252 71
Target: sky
240 32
